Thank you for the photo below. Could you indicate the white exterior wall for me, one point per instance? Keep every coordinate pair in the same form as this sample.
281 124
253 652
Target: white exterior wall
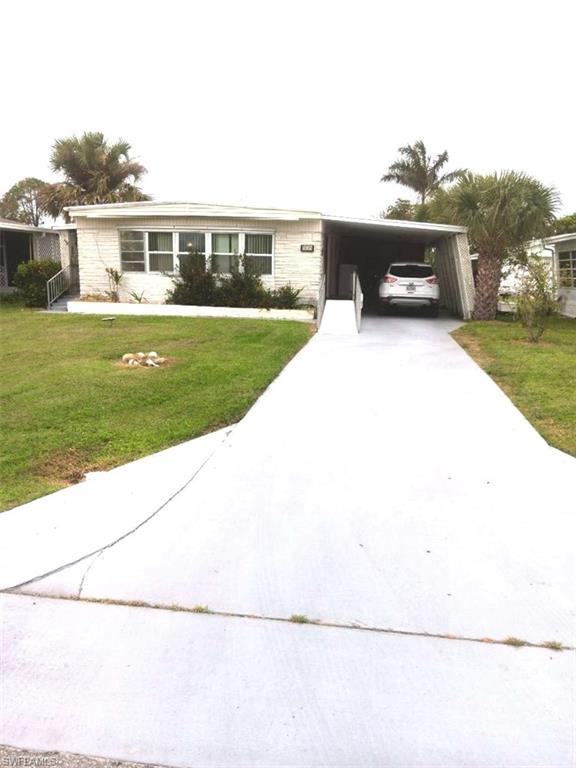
567 296
99 247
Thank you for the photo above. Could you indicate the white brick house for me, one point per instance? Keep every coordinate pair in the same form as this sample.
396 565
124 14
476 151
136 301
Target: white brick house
145 241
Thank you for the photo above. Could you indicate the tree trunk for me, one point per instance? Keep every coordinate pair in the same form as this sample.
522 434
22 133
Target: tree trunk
487 286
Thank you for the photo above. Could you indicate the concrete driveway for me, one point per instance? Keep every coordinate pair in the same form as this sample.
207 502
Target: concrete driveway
384 485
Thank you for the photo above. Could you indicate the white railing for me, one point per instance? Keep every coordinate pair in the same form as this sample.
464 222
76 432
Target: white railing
358 298
58 285
321 300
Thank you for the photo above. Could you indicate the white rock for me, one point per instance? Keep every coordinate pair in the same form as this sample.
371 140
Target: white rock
153 354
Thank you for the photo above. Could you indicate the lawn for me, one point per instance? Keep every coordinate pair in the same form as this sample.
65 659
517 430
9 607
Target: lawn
68 406
539 378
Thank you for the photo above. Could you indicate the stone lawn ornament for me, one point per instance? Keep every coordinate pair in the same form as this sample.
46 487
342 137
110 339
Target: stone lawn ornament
151 360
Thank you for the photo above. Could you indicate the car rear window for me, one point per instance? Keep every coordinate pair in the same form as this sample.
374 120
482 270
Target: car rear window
411 270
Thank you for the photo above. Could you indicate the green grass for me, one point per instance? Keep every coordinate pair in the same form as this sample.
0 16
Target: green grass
68 406
538 378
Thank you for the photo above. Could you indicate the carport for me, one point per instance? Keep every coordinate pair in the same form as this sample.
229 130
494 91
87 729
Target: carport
368 246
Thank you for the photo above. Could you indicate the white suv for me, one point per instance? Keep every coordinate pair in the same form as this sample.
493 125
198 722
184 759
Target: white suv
409 284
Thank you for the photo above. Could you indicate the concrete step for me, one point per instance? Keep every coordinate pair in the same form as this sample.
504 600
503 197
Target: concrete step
61 304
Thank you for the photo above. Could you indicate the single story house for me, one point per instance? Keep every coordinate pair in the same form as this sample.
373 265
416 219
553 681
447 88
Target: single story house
559 253
146 242
562 251
24 242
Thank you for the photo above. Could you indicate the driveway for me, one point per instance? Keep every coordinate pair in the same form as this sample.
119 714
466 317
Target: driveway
383 485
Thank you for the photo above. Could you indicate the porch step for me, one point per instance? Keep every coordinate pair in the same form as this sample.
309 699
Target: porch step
61 304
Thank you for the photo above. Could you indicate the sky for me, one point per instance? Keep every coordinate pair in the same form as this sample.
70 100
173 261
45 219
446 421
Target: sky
289 103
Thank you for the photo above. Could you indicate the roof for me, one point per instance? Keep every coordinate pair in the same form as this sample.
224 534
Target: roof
205 210
561 238
423 230
17 226
415 230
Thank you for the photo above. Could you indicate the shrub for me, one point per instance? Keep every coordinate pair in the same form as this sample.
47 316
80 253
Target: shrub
31 278
195 285
114 280
285 297
242 289
535 298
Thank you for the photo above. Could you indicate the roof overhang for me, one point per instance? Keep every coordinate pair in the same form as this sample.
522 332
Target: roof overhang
390 229
16 226
561 238
199 210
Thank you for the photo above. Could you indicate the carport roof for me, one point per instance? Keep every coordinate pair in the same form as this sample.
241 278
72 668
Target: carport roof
394 228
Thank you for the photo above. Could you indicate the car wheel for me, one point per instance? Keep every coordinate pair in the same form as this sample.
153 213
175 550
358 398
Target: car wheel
434 310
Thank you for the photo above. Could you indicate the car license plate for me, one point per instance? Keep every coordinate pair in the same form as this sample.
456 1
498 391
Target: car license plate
411 288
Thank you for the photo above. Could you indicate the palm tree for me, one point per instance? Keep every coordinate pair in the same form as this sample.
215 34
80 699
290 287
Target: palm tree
502 211
94 172
417 170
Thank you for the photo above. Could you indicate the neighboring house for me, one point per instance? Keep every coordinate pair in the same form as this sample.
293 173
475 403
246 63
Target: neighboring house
559 252
564 259
146 241
23 242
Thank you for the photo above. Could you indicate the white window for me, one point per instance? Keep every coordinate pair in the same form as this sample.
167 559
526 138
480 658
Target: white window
132 252
160 252
165 251
190 245
225 249
567 269
258 253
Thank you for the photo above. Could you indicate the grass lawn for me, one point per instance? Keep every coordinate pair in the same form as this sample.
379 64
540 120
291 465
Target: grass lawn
68 406
539 378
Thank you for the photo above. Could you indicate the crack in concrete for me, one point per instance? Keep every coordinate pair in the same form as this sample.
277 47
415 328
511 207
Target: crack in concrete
100 550
175 608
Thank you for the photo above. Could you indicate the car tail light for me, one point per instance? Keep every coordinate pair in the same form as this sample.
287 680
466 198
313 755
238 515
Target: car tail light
390 279
432 280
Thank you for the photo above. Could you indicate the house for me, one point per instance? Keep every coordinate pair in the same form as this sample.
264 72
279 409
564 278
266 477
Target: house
146 242
23 242
559 253
563 251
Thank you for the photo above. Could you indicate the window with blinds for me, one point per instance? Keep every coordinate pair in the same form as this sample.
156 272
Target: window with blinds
192 249
165 252
258 253
567 269
225 248
160 252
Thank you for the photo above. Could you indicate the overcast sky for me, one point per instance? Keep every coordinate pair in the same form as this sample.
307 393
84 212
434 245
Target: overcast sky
297 104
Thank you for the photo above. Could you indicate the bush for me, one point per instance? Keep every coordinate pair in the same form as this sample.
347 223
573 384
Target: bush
242 289
195 285
285 297
31 278
535 298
